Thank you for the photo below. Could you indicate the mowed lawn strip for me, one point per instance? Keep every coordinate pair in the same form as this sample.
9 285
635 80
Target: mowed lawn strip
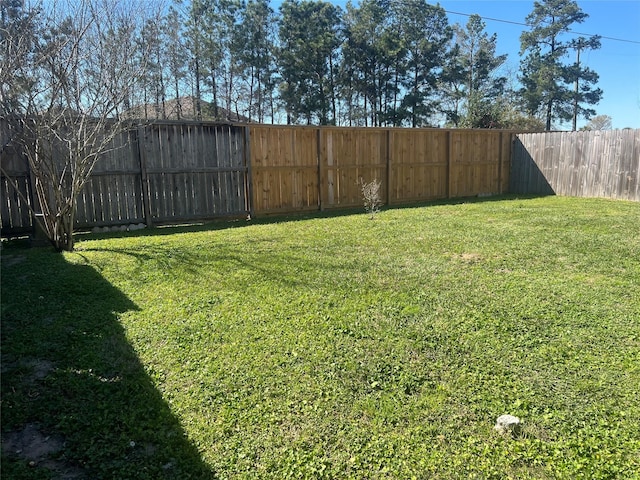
343 347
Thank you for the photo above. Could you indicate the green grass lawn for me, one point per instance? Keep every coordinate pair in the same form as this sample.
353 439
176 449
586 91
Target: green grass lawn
335 347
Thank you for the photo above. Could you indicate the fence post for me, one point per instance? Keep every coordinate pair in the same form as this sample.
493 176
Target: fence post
249 174
449 149
512 163
146 197
319 160
500 164
388 162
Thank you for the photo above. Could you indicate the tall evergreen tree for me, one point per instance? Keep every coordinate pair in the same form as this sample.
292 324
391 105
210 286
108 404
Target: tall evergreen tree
309 36
583 80
481 86
152 53
545 78
176 57
221 63
196 46
19 34
426 35
363 59
254 44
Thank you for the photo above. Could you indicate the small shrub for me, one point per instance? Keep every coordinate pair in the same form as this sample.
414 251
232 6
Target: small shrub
371 196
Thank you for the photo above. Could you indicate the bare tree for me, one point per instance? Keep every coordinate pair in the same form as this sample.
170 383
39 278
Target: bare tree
599 122
74 70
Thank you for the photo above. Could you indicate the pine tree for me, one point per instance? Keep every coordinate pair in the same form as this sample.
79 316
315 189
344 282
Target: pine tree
176 56
426 35
583 79
368 69
309 36
19 34
254 44
480 86
547 81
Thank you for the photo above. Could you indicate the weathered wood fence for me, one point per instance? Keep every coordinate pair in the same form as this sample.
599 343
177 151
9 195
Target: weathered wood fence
579 164
168 173
156 174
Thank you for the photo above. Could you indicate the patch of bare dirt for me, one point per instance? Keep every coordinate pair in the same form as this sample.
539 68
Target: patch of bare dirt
40 368
30 443
39 450
468 257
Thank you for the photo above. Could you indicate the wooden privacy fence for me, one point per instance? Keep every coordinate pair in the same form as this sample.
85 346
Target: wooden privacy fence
171 172
579 164
311 168
156 174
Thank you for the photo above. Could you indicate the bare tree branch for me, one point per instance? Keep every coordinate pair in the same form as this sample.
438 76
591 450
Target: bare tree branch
73 69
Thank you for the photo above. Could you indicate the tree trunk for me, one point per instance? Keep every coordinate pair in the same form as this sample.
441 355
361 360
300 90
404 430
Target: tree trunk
198 109
576 91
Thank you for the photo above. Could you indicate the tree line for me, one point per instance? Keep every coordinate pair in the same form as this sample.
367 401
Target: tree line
374 63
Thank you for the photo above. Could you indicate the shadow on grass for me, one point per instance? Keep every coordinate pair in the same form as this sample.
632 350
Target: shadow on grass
275 218
76 401
267 262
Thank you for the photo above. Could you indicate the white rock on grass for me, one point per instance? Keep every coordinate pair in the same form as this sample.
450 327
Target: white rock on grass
507 424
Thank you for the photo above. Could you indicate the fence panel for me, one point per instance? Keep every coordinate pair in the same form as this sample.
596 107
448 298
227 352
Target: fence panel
15 215
418 163
159 173
349 157
194 171
113 192
284 168
475 162
580 164
16 194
